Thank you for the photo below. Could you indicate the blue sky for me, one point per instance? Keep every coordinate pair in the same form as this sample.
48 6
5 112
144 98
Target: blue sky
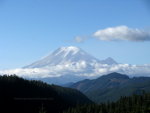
31 29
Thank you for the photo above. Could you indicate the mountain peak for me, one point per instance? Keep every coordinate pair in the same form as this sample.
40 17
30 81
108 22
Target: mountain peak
109 61
67 56
70 56
69 49
116 75
72 48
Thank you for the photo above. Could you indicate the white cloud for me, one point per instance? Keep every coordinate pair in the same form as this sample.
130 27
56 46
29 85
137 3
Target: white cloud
131 70
35 72
122 33
80 69
52 71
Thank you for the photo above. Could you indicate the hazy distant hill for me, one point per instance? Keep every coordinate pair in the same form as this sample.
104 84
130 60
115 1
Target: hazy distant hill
112 86
22 96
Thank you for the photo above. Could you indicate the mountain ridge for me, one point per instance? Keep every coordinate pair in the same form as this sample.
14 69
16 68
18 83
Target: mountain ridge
112 86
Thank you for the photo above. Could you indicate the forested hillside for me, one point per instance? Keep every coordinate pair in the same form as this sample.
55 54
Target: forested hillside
112 86
133 104
18 95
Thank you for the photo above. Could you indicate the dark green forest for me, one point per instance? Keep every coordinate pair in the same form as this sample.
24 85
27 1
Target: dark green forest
132 104
18 95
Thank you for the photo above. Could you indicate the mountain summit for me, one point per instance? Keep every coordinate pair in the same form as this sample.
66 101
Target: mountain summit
68 64
68 55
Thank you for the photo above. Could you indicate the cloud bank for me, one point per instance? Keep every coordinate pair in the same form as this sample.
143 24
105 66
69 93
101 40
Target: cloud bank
80 69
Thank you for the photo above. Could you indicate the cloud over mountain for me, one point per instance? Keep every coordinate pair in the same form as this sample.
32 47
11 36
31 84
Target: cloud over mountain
79 70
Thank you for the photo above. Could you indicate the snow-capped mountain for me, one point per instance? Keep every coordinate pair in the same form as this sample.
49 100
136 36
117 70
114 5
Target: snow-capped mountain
71 64
67 64
69 55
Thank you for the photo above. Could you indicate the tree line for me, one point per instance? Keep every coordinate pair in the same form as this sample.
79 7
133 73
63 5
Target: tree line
133 104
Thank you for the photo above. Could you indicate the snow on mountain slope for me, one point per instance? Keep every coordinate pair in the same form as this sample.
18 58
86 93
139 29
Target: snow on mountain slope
68 55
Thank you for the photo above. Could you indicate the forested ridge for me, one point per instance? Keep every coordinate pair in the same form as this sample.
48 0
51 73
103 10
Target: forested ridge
132 104
112 86
18 95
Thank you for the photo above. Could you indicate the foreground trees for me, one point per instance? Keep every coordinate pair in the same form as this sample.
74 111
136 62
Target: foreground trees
18 95
133 104
23 96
